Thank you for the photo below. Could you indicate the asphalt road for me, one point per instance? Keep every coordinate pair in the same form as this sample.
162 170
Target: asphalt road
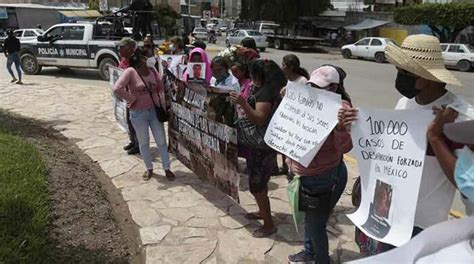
370 84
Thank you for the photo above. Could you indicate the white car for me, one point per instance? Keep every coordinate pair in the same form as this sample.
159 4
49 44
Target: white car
200 33
369 48
458 56
237 37
28 33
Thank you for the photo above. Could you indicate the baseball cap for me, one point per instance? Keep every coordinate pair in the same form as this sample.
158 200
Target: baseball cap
126 42
324 76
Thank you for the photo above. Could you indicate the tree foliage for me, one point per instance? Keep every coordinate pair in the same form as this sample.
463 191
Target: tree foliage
93 5
166 17
281 11
445 20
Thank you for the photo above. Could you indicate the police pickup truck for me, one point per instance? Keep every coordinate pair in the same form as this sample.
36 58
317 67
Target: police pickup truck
74 45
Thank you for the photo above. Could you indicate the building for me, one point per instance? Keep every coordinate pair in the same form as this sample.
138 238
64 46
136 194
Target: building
348 5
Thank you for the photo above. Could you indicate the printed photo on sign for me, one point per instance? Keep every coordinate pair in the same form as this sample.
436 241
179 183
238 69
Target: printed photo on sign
390 146
196 71
378 223
170 63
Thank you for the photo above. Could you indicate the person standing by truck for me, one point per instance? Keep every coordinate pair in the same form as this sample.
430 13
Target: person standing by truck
12 52
127 47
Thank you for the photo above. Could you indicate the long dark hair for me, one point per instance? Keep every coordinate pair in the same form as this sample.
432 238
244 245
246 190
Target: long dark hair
293 62
268 73
249 43
243 67
135 59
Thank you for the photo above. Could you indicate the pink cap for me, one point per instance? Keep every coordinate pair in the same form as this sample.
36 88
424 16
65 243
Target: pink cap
324 76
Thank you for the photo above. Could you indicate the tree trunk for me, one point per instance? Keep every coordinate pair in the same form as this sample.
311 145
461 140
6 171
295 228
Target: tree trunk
443 38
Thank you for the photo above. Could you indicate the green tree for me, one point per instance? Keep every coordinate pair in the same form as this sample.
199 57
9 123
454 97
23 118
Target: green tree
166 17
446 21
93 4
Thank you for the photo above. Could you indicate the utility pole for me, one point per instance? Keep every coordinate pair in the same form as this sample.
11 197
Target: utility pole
189 8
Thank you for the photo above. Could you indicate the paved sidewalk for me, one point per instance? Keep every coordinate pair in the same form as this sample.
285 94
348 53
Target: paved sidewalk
185 221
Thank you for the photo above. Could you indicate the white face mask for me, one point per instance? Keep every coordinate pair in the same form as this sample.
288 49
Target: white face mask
150 62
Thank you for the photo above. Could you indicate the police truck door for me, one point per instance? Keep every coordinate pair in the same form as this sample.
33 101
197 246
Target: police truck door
75 46
50 51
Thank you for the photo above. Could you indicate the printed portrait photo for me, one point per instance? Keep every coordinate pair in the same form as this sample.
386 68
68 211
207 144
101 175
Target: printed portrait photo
170 63
382 199
196 71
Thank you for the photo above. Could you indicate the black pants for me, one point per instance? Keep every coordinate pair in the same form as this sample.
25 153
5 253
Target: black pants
132 135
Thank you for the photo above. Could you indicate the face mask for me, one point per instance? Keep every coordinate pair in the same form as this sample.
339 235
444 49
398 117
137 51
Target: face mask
150 62
464 173
405 85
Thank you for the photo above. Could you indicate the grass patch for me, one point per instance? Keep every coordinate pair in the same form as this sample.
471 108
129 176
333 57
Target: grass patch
24 202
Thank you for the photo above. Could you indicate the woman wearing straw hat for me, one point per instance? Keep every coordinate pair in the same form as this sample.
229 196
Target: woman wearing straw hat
421 79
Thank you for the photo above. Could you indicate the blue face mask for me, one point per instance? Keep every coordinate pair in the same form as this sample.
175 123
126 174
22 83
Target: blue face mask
464 173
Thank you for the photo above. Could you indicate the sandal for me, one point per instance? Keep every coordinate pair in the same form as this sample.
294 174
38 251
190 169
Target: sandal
253 216
260 233
147 175
170 175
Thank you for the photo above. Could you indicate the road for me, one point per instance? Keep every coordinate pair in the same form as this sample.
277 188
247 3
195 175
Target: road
370 84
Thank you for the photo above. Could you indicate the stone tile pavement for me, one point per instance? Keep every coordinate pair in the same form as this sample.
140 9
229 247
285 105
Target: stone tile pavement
185 221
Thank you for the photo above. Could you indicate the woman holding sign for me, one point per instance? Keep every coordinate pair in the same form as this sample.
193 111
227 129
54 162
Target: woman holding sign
320 179
264 98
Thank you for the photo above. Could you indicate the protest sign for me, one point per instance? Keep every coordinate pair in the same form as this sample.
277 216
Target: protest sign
120 106
196 71
201 136
390 146
302 122
170 63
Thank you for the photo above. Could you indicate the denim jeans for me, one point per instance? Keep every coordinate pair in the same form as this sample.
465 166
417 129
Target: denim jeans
142 120
14 57
132 135
315 236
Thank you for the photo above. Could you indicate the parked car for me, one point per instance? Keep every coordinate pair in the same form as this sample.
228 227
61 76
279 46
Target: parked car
23 35
369 48
237 37
458 56
200 33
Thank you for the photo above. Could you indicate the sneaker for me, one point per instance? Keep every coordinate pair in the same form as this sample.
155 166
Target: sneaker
301 258
129 146
133 151
14 80
19 82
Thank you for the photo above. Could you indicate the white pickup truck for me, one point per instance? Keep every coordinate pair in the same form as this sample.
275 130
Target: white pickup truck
77 45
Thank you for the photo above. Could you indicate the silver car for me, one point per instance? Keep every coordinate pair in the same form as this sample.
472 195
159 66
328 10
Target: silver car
236 38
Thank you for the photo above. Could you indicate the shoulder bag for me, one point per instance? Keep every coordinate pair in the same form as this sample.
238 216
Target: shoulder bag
162 115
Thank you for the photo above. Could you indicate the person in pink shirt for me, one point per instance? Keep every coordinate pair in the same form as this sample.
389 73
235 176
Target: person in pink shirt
127 47
142 89
320 178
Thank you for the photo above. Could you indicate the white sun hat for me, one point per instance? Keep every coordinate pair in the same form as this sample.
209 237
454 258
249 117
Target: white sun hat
421 55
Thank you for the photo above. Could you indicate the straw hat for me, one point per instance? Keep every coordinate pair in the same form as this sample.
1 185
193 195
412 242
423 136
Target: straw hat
421 55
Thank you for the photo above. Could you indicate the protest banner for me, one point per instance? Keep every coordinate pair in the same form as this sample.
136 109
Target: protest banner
120 106
390 146
302 122
201 133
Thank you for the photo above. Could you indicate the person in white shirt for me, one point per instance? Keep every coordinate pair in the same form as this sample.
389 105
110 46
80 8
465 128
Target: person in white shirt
221 76
421 79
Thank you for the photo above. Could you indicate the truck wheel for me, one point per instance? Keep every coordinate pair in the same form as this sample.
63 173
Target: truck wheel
347 54
278 44
104 67
464 66
262 49
379 57
29 64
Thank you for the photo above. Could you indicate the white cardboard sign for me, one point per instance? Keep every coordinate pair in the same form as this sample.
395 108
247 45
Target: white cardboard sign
390 146
120 106
302 122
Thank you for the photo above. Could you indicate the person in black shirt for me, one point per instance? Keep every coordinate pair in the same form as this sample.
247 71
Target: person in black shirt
12 52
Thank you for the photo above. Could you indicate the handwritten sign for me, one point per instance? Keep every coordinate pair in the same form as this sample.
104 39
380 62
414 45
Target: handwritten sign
390 146
302 122
120 106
